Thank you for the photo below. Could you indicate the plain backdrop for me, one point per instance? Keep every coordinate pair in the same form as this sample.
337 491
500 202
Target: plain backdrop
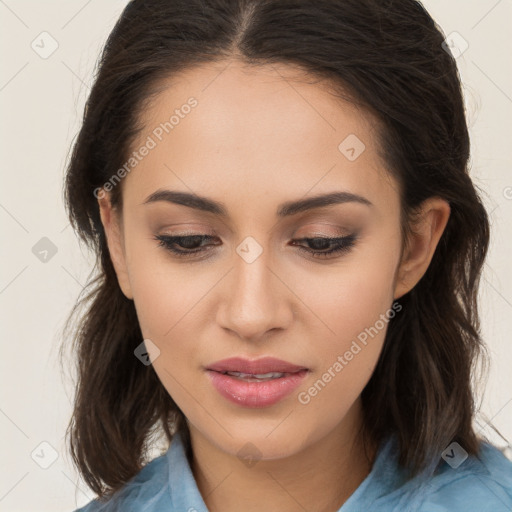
41 102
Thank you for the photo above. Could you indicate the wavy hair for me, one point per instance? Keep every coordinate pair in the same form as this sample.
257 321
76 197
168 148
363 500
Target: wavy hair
388 57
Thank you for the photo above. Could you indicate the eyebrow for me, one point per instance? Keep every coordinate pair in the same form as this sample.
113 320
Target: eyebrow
284 210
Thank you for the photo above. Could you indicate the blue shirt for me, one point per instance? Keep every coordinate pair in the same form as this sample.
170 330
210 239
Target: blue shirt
481 484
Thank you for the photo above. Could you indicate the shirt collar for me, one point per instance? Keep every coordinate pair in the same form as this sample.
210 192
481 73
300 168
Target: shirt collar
185 494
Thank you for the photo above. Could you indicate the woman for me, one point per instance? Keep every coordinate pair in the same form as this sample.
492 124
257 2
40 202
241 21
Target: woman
290 248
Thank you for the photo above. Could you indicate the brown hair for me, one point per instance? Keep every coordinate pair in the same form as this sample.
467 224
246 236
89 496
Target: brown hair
388 55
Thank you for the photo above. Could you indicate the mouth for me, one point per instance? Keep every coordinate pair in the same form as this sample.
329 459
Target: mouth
259 367
258 383
259 377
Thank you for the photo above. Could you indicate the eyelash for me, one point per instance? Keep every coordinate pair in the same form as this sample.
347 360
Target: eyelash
343 245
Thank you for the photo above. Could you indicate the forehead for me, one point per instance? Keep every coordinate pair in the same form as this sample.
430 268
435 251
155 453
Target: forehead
265 131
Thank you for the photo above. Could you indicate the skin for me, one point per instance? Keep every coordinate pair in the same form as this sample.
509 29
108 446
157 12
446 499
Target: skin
257 138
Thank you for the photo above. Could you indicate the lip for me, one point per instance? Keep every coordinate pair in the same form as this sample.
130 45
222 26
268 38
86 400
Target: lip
263 365
255 394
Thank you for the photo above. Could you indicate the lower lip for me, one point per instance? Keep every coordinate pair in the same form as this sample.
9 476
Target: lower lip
255 394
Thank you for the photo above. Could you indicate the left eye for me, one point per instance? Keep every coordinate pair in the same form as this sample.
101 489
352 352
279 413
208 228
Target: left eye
340 244
192 244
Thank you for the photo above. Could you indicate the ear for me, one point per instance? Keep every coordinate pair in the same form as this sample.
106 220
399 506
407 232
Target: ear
427 230
112 224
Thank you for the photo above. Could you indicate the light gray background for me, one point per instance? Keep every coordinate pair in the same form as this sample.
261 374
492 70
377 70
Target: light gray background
41 102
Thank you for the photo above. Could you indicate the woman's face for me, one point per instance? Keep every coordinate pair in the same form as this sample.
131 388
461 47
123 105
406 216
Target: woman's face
254 141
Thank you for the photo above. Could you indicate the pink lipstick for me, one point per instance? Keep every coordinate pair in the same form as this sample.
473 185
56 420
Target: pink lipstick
255 383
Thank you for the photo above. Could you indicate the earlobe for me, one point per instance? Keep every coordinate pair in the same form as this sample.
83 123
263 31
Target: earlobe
111 221
422 243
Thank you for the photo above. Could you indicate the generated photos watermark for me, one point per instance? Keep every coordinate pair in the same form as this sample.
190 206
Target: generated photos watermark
137 156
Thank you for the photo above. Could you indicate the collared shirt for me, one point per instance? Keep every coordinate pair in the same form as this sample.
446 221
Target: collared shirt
479 484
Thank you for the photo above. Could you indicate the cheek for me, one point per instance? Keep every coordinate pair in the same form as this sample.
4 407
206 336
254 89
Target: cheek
359 316
354 305
168 305
170 311
350 299
165 292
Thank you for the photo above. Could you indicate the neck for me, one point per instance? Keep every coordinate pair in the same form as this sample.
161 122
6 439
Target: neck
318 478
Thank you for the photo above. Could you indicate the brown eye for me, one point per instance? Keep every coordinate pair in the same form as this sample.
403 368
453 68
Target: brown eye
322 247
190 244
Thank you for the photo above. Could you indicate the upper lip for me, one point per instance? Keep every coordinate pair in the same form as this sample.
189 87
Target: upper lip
254 367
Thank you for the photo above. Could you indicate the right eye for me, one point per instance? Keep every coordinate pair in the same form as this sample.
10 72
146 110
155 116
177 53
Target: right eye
191 244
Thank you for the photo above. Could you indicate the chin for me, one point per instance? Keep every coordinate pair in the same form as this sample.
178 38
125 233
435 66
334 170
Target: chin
266 441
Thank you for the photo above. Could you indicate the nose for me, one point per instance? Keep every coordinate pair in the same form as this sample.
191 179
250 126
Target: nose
254 299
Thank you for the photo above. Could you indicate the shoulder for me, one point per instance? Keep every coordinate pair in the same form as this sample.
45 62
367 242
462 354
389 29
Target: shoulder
475 483
481 483
147 487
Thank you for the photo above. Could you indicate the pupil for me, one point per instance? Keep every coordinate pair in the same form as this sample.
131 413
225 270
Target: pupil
319 243
190 242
